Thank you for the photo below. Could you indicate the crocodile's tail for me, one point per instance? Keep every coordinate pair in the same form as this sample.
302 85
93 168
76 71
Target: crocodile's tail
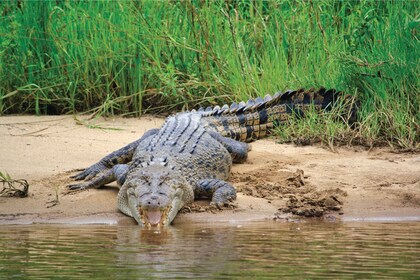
253 120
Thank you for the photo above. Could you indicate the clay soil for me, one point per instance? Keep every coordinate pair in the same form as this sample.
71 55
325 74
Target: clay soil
278 181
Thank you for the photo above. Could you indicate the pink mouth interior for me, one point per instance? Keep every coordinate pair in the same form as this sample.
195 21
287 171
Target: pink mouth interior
154 216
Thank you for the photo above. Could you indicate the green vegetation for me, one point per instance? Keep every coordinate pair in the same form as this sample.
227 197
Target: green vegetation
12 187
129 57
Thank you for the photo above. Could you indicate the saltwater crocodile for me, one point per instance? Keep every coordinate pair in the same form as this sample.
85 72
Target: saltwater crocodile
191 155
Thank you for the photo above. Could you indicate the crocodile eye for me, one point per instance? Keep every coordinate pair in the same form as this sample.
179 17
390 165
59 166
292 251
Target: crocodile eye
144 194
145 179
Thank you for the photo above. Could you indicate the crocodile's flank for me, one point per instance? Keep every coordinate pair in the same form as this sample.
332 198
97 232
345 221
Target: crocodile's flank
191 154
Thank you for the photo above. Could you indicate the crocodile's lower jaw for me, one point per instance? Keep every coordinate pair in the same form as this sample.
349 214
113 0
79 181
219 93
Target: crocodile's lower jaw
150 219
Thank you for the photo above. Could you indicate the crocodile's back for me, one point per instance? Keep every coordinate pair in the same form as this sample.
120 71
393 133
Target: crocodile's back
183 143
253 120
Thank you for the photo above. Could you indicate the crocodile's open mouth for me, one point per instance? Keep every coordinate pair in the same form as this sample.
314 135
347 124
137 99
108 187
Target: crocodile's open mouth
154 217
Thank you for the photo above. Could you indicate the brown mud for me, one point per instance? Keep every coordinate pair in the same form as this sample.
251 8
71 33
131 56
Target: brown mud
278 181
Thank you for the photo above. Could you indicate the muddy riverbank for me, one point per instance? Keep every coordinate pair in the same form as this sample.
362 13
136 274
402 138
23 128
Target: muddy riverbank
277 181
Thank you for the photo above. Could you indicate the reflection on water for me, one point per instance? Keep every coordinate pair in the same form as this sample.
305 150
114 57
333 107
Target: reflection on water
255 250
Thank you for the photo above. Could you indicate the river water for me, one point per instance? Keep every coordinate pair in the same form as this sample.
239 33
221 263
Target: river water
262 250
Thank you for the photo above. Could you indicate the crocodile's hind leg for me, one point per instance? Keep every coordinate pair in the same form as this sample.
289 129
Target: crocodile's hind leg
238 150
220 191
123 155
117 172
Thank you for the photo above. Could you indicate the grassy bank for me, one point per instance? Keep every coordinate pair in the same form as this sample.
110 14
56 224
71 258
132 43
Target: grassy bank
127 57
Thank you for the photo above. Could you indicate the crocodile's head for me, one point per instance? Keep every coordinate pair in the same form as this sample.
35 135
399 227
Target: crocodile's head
155 194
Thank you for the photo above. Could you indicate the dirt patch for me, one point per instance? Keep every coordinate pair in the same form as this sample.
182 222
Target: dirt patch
302 197
270 182
202 206
315 203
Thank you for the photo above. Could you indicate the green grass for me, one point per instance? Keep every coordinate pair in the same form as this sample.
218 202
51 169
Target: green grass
129 57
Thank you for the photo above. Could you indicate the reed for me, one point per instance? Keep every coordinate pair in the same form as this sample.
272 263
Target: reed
132 57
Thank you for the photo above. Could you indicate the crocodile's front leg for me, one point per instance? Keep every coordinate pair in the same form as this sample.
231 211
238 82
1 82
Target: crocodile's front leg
121 156
220 191
117 172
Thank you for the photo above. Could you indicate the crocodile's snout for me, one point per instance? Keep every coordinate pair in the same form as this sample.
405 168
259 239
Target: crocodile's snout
154 201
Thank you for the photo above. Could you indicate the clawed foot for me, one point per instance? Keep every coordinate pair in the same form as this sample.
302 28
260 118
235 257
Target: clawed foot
79 186
94 176
229 203
86 174
90 172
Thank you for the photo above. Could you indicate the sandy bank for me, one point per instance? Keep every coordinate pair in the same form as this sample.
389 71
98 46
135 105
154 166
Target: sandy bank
349 184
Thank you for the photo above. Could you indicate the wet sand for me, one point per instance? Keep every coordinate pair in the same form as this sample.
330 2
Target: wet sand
278 181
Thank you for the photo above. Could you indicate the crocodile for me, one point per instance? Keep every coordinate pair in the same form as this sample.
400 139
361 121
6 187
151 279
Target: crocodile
191 154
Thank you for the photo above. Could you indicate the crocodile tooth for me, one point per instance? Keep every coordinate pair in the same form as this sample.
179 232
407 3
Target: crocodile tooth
209 109
201 109
193 111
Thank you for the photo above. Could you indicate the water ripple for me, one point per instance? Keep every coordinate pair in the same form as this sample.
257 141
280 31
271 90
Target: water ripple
256 250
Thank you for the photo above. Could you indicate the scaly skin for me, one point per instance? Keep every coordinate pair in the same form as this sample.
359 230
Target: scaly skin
191 155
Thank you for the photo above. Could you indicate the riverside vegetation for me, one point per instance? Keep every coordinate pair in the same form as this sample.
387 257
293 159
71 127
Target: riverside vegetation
132 57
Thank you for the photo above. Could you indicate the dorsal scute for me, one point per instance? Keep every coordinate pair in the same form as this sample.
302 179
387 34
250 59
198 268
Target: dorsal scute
241 106
249 103
274 99
225 109
259 100
267 98
258 103
233 107
216 109
321 95
286 95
